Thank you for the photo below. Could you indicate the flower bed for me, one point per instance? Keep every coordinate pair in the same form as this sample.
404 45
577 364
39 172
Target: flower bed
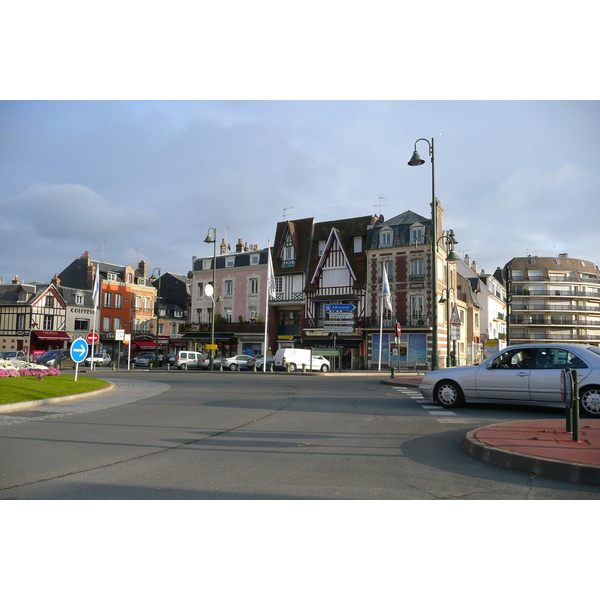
20 368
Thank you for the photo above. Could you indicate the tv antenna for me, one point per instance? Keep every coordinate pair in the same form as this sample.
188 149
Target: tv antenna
104 242
138 253
285 209
227 230
380 203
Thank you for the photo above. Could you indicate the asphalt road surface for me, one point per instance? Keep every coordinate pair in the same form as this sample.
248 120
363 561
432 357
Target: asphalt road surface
254 436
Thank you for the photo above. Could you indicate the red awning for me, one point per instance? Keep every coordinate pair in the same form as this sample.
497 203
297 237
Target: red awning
144 344
50 335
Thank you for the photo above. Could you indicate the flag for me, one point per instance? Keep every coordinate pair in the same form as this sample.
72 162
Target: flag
96 288
387 297
270 276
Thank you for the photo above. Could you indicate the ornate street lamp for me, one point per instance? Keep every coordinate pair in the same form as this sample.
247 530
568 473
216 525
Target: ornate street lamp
212 240
416 161
157 315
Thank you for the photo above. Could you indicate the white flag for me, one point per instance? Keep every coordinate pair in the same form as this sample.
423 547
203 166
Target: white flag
96 288
270 276
387 297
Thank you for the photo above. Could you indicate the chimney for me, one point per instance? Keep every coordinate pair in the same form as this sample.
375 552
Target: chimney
467 258
223 246
86 253
143 268
474 266
16 279
246 247
55 280
239 246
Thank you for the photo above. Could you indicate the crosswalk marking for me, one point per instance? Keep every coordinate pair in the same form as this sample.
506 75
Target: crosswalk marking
431 407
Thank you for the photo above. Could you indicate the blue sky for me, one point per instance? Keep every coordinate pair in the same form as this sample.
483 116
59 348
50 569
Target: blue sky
148 129
151 177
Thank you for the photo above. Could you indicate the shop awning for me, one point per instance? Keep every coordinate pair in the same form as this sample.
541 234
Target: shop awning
51 335
144 344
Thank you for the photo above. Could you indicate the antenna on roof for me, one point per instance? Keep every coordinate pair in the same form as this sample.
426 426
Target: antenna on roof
285 209
380 203
227 229
138 254
102 251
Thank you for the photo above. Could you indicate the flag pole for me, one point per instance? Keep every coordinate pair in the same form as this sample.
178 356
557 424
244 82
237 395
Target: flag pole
96 299
268 293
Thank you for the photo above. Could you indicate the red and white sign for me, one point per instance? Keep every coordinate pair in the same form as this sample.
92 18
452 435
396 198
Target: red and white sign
398 330
92 338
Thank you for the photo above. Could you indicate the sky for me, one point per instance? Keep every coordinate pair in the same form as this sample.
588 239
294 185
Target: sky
145 180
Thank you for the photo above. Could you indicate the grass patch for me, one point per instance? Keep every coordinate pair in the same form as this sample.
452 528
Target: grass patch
23 389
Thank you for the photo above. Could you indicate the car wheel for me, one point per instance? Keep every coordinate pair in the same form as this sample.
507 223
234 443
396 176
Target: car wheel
324 368
291 367
233 367
590 401
449 395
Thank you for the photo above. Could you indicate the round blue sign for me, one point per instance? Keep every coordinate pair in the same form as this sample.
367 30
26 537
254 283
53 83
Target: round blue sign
79 350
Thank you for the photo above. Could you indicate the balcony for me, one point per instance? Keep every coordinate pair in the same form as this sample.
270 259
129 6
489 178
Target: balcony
405 321
292 297
553 337
525 291
554 322
544 306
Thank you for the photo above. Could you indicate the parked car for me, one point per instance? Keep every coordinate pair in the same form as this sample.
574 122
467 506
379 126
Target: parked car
145 359
259 361
525 374
237 362
101 359
169 359
292 359
205 362
189 358
13 355
59 359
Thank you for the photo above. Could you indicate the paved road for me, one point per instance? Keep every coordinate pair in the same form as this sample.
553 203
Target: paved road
199 435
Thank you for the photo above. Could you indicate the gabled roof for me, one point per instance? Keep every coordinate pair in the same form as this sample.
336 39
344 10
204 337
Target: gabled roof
333 236
301 231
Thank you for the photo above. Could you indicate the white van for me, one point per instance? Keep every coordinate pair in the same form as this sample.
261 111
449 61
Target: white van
291 359
189 358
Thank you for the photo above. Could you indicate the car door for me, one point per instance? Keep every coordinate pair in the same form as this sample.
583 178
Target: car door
544 381
504 378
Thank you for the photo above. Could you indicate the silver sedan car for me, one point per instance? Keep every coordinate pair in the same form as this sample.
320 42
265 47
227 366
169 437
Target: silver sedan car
524 374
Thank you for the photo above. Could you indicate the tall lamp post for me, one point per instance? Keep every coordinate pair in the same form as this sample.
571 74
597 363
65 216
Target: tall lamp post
157 315
416 161
212 240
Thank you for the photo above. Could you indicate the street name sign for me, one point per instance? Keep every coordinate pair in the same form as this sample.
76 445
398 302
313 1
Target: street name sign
338 307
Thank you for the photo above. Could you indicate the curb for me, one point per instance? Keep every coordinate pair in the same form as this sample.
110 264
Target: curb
534 465
36 403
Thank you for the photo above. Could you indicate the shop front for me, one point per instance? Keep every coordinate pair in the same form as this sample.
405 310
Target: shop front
42 341
384 348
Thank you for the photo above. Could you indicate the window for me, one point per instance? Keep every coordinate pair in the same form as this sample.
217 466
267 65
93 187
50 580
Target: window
48 322
230 261
138 303
322 244
336 277
105 323
200 289
161 329
228 288
20 322
79 299
253 313
358 243
49 301
136 325
279 285
147 304
107 299
141 281
389 269
254 259
254 286
129 278
417 306
178 314
117 323
111 276
82 325
118 301
385 239
206 264
417 268
417 235
297 284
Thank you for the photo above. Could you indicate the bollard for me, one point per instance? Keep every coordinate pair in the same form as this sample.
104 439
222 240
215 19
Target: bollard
168 366
254 365
185 366
303 368
221 366
271 368
393 372
287 367
575 405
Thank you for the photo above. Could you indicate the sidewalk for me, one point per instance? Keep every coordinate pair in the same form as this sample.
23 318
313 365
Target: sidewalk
541 448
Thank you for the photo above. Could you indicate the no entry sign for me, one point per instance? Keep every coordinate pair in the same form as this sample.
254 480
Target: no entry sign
92 338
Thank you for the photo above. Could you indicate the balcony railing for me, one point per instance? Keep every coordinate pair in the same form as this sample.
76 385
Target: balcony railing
293 297
521 291
525 320
558 307
552 337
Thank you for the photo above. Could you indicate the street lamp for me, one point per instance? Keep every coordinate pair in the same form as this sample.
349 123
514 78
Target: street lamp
212 240
157 315
416 161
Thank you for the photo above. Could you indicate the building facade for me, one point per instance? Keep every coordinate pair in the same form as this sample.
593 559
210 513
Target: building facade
553 299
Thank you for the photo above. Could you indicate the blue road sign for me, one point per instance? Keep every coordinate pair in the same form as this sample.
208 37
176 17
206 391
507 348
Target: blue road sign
79 350
332 307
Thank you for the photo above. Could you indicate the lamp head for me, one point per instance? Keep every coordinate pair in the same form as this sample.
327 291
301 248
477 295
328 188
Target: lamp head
209 239
453 257
416 160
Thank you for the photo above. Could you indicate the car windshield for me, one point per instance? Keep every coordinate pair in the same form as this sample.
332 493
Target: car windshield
50 354
7 354
98 355
594 349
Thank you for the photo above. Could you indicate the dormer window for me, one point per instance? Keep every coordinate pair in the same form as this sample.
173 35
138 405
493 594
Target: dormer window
111 276
417 234
79 299
141 281
230 261
385 238
254 259
288 255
